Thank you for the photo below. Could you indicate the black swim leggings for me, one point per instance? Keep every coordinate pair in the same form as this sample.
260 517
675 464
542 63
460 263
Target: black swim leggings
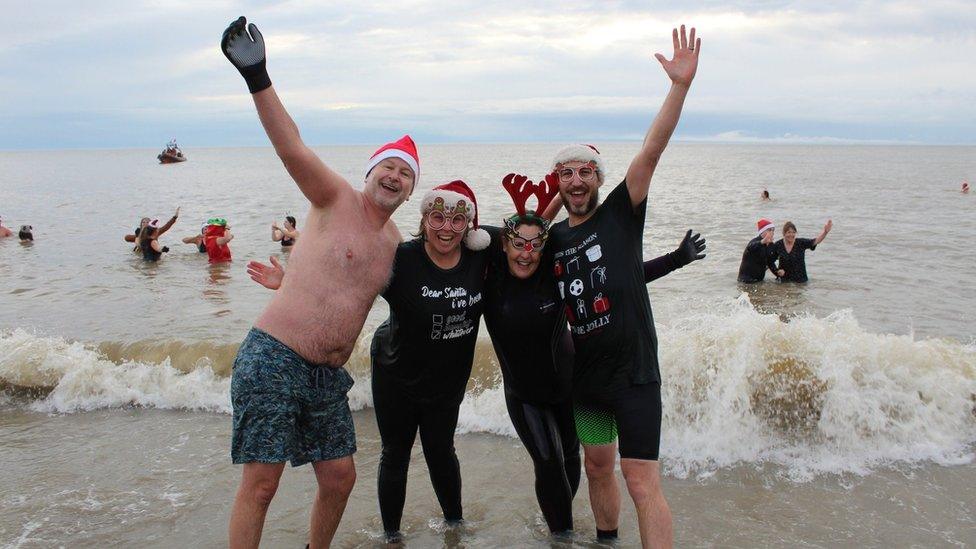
548 432
399 418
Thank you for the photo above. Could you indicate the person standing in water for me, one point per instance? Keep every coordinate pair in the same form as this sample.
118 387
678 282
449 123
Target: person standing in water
534 347
198 240
765 196
597 256
758 255
143 223
789 252
149 244
287 235
216 236
288 388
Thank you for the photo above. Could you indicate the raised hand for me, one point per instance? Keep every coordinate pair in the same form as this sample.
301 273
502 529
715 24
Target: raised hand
246 52
265 275
827 226
682 66
690 249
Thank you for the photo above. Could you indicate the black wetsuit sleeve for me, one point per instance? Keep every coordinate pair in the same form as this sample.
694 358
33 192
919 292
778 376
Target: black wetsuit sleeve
660 266
772 254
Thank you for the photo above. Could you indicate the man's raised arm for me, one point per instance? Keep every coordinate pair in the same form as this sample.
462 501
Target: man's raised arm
681 70
318 182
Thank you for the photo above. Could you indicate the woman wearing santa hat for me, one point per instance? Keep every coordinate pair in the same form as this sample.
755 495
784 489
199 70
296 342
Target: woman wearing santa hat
422 354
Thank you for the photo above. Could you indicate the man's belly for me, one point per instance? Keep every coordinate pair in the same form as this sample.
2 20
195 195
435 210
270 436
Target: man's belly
322 331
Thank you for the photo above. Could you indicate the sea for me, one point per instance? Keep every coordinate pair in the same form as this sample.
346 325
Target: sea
836 413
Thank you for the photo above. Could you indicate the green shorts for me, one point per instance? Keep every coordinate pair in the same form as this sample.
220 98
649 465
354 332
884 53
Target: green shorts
633 414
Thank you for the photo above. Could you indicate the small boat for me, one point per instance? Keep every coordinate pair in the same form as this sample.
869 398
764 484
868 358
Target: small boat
171 154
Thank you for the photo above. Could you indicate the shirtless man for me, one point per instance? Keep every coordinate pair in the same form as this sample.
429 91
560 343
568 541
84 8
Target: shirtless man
289 388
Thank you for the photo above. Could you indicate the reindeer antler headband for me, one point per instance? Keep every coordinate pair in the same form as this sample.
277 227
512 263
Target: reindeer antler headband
520 188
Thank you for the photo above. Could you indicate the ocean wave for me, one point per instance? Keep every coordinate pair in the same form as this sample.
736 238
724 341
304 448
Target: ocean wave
811 395
64 376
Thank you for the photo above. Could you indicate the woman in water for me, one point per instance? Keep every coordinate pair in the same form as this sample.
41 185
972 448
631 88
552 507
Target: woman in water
287 235
145 222
198 240
789 252
149 244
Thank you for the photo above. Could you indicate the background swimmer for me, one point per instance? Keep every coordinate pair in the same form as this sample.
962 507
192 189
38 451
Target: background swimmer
287 235
789 252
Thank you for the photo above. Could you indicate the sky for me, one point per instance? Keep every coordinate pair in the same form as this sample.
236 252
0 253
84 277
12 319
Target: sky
107 74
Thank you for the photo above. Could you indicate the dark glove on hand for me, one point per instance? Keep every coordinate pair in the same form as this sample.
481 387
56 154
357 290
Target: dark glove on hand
690 249
246 52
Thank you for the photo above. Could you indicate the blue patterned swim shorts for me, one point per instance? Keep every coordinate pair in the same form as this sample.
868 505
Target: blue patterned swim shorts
286 409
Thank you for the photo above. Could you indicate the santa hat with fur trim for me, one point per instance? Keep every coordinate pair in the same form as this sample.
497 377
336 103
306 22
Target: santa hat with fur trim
764 225
453 198
404 149
581 153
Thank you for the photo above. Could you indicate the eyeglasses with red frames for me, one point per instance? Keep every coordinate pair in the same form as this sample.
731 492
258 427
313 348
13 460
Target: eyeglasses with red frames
528 244
586 173
436 220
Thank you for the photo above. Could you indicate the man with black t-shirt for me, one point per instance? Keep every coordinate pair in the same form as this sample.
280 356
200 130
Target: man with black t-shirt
597 261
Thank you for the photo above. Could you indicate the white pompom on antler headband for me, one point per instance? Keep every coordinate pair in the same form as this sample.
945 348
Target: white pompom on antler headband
453 198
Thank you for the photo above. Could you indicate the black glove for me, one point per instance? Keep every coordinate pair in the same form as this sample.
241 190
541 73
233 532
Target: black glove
165 249
246 53
690 249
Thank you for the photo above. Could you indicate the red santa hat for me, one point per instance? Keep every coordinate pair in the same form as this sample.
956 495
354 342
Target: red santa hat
764 225
581 153
453 198
404 149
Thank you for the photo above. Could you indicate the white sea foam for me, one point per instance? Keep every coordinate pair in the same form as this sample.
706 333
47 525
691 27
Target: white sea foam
77 377
812 395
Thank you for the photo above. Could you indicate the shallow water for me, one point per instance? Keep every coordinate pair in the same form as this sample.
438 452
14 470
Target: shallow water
840 412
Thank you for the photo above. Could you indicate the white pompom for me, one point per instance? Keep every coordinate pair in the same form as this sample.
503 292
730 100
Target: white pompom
478 239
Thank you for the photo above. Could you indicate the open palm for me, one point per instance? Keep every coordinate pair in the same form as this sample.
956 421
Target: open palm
682 66
268 276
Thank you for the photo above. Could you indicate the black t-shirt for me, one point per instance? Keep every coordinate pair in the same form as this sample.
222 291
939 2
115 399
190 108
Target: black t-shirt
528 330
599 271
793 262
756 258
427 344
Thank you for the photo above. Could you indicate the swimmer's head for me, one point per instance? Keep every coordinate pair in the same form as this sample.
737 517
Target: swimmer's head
26 232
765 229
789 232
291 221
965 186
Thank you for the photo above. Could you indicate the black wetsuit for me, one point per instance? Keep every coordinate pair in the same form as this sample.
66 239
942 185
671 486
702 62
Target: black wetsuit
287 241
535 351
794 261
421 360
148 253
756 258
